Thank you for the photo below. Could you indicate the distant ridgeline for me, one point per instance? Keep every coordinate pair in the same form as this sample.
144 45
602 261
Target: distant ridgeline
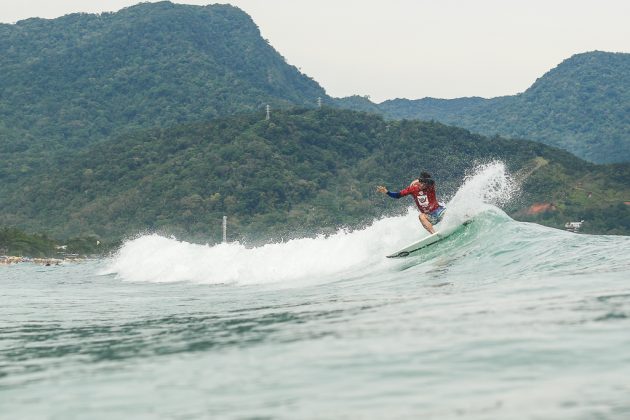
582 106
71 81
301 172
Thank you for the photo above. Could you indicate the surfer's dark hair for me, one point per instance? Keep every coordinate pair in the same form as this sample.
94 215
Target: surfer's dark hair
425 178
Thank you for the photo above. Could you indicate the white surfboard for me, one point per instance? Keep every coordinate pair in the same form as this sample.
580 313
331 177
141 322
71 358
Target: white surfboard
425 242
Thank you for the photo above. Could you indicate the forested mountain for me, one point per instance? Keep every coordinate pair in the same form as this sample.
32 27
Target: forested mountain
582 105
303 171
152 119
82 77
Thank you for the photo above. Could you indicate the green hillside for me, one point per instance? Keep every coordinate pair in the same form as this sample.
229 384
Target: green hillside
302 172
582 105
74 80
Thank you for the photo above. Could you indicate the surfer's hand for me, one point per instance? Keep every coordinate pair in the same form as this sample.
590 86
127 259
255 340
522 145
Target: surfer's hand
381 189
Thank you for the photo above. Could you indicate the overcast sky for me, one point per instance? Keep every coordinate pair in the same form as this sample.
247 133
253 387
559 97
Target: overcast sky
411 48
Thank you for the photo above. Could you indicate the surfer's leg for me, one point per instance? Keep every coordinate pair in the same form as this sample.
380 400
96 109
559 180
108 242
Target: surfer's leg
426 223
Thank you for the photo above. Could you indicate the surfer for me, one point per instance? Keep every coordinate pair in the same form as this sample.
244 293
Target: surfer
423 192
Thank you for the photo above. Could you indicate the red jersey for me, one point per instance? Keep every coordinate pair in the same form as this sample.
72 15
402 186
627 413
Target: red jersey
424 197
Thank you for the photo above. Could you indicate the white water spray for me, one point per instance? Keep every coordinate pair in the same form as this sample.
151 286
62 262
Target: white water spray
489 186
154 258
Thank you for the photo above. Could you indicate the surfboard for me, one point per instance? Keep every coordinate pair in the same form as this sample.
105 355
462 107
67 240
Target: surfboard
425 242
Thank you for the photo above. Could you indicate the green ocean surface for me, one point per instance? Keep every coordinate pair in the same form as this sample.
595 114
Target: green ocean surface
502 320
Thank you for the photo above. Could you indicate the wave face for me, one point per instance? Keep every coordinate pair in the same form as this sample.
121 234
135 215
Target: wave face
492 240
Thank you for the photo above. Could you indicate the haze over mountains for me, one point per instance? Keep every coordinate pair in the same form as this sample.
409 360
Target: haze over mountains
582 105
153 118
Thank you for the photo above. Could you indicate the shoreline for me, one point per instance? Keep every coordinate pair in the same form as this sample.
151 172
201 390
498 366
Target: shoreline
6 260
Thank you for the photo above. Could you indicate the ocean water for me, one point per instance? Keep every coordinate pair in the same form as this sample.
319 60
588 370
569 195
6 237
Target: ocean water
502 320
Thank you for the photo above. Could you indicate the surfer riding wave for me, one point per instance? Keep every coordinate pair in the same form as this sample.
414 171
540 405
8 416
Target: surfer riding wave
422 190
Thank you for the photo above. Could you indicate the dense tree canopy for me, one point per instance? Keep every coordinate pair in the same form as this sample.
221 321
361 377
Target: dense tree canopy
302 172
71 81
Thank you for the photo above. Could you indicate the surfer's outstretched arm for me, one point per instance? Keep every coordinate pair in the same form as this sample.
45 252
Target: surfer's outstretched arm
412 189
392 194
